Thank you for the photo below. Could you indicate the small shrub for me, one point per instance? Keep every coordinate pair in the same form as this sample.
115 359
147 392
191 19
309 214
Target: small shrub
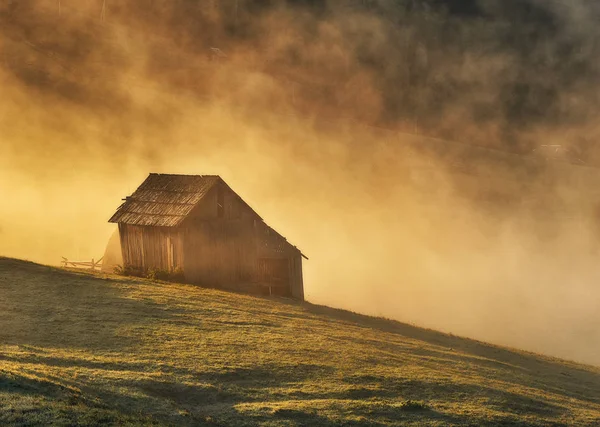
156 274
128 271
166 275
152 274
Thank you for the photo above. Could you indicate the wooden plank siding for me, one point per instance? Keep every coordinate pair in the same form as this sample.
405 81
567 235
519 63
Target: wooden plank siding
271 245
233 206
219 252
239 254
296 279
152 247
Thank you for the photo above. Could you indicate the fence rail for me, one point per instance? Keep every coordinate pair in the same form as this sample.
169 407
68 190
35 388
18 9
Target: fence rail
92 265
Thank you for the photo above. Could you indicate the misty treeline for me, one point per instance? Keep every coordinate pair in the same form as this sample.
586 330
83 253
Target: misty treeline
505 73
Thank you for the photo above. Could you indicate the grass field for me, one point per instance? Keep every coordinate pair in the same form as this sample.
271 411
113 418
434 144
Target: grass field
88 349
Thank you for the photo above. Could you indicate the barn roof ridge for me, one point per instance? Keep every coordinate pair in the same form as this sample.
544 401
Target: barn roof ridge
163 203
164 196
165 200
185 174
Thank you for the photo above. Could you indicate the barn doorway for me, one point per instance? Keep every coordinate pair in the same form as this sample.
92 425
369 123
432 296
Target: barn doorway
275 272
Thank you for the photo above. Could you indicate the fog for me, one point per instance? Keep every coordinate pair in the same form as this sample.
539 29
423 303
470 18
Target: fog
391 212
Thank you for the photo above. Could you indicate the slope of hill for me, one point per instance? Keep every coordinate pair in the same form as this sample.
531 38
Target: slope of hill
78 348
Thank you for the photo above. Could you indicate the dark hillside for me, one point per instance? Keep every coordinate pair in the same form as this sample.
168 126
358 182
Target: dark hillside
88 349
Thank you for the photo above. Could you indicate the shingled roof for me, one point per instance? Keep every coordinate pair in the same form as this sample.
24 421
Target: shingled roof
164 200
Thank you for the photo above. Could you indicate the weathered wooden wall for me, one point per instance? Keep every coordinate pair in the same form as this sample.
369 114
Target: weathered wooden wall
296 278
271 245
151 247
220 252
242 253
233 207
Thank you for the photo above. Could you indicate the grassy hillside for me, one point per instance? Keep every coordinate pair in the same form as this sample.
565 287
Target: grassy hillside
78 348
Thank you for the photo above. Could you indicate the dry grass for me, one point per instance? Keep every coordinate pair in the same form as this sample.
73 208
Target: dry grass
86 349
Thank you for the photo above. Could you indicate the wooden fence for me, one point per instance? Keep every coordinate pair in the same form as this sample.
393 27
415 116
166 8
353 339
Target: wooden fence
93 265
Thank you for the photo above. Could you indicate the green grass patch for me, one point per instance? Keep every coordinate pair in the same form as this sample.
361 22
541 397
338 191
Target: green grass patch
79 348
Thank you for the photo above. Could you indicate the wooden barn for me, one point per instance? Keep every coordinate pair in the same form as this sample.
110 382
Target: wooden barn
196 224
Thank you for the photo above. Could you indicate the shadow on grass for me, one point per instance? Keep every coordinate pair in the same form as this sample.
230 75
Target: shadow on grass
373 401
570 376
301 417
75 362
375 415
44 402
191 404
166 399
19 384
86 312
311 418
369 387
173 402
270 374
45 306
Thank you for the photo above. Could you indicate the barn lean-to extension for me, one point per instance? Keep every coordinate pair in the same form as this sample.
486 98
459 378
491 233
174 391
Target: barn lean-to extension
198 224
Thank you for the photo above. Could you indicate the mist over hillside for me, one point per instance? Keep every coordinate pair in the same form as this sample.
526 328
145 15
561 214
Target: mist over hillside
501 73
307 109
